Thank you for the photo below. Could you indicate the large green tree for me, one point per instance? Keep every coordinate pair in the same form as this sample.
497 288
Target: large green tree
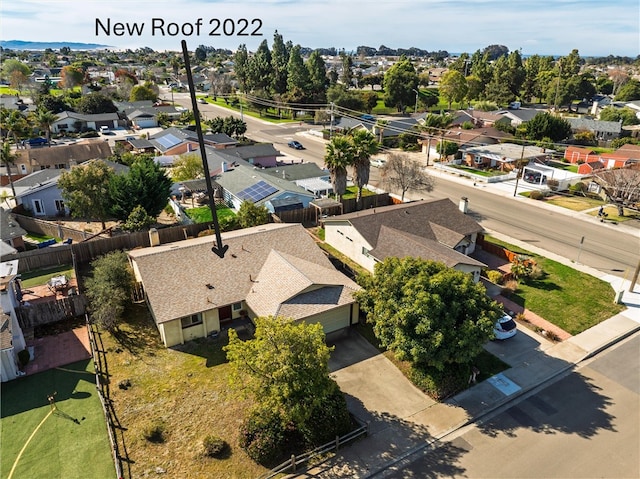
453 87
145 184
545 125
85 189
317 78
241 67
629 91
109 289
94 103
427 313
286 370
279 62
297 77
400 84
187 167
260 68
626 115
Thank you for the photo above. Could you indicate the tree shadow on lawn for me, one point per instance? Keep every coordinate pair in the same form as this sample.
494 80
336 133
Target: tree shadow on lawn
31 392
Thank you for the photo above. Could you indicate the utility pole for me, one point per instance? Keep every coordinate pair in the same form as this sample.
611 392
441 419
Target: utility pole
331 124
634 279
415 109
519 172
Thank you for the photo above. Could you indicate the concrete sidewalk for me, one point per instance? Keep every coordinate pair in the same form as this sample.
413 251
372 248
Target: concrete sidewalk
396 440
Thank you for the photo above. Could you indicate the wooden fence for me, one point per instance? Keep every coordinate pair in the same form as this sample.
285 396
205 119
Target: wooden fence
50 228
51 311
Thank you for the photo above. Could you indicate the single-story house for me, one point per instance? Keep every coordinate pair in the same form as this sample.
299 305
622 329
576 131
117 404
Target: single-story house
45 198
306 175
576 154
269 270
603 130
241 182
60 156
520 116
503 156
11 336
77 122
177 141
430 229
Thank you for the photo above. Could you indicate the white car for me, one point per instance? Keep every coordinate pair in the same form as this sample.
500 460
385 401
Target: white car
505 328
377 162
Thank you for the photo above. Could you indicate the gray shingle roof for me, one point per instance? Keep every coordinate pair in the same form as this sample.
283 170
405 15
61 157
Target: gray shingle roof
176 275
9 227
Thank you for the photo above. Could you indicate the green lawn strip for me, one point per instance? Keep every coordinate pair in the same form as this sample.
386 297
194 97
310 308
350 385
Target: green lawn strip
612 214
568 298
202 214
187 389
485 173
352 192
246 110
37 238
69 440
41 276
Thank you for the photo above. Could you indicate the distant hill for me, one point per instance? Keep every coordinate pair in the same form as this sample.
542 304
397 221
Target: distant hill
22 45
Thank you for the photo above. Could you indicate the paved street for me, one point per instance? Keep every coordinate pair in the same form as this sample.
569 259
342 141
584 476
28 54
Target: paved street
585 425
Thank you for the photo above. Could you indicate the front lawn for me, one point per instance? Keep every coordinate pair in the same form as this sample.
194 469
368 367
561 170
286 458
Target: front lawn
352 192
575 203
70 441
475 171
185 389
568 298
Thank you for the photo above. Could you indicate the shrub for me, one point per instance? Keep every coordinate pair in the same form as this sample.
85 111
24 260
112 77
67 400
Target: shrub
536 271
266 439
154 431
551 336
553 184
329 420
494 276
536 195
214 446
24 357
522 317
578 188
510 287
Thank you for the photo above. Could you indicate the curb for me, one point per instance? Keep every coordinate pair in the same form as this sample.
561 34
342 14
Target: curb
507 399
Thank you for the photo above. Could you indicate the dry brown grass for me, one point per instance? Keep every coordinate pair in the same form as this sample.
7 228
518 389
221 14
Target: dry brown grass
187 389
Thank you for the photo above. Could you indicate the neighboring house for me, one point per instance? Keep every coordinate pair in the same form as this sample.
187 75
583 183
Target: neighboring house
11 336
242 182
480 119
177 141
77 122
147 116
11 232
430 229
60 156
576 154
464 139
45 198
590 167
306 175
520 116
268 270
503 156
603 130
630 151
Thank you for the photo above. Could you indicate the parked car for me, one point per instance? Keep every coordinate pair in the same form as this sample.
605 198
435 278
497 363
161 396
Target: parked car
33 142
377 162
505 328
534 178
296 144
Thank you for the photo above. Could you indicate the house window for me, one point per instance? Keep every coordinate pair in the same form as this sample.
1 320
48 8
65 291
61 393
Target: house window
477 160
237 306
192 320
23 169
37 207
60 166
59 206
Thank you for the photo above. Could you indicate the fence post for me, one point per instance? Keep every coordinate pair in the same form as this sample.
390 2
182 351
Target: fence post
337 442
293 463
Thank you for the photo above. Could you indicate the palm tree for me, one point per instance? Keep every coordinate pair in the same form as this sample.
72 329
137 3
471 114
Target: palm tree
14 124
44 119
8 158
338 157
364 145
434 125
380 126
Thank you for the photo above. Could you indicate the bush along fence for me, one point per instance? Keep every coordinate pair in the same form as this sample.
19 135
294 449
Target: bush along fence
291 465
114 428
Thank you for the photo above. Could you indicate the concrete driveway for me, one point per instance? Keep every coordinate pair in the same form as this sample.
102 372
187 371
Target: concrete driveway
375 389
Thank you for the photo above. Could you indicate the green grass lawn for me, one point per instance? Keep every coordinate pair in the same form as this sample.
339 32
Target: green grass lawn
568 298
575 203
202 214
70 442
475 171
352 192
270 115
41 276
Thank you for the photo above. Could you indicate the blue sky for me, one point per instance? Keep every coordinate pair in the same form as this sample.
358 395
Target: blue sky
546 27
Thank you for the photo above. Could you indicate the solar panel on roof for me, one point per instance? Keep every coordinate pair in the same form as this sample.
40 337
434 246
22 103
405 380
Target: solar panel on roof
257 192
168 140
